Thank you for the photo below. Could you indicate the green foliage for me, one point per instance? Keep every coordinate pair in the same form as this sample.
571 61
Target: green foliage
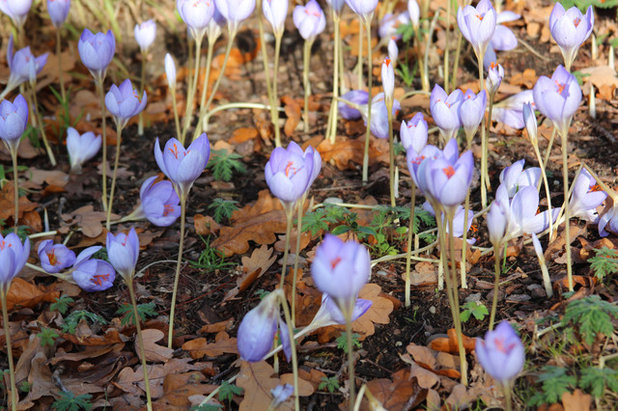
101 254
329 383
210 258
580 77
594 380
223 209
584 4
62 304
227 391
143 310
555 382
591 316
47 336
322 218
406 31
24 386
475 308
407 76
604 262
342 341
71 322
223 164
71 402
261 293
65 117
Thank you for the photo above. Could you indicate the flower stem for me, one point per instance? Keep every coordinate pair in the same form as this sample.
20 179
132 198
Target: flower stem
140 341
63 92
39 121
299 226
464 243
391 153
140 122
199 127
306 83
192 89
359 64
507 397
99 87
409 247
546 184
183 210
331 131
367 24
494 304
13 151
351 373
289 215
549 146
447 33
274 104
288 320
114 174
486 124
175 107
9 351
567 207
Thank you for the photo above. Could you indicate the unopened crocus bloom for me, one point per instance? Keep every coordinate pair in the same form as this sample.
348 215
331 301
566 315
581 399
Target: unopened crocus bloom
472 111
390 24
124 102
196 14
477 25
495 74
445 110
183 166
364 8
288 173
145 34
235 11
498 217
13 257
379 115
413 134
55 257
530 122
96 51
275 12
81 147
257 329
159 202
92 274
336 5
523 217
388 79
510 110
558 98
570 29
501 353
330 314
123 251
415 158
586 197
23 65
514 177
608 221
13 120
17 10
58 11
170 71
393 51
360 97
414 12
309 20
309 153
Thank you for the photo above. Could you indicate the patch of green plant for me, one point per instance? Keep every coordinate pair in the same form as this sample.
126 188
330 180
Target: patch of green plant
47 336
143 310
591 316
223 209
32 134
223 164
594 380
22 231
24 386
227 391
342 341
73 319
555 382
62 304
65 117
604 262
407 32
71 402
474 308
582 5
210 258
261 293
329 383
322 218
407 76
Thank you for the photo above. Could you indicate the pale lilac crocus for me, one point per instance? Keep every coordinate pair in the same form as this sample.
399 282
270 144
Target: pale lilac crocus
393 51
414 133
96 52
23 65
81 147
124 102
379 115
514 177
336 5
472 111
145 34
123 251
280 394
415 158
92 274
445 110
275 12
235 11
495 74
458 220
390 23
503 38
531 123
364 8
558 98
608 221
388 79
13 121
159 202
510 110
309 20
414 12
586 197
196 14
55 257
58 11
522 216
17 10
13 257
477 25
358 97
170 71
501 353
289 173
570 29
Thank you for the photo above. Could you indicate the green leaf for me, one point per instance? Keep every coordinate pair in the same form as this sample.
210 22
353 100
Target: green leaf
474 308
71 322
595 380
329 383
591 316
227 391
223 209
555 382
342 342
223 163
62 304
70 402
143 310
47 336
604 262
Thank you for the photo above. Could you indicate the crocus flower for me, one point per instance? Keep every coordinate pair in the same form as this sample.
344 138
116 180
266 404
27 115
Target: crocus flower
379 115
414 12
359 97
275 12
495 74
81 147
522 215
309 20
92 274
390 24
215 25
393 51
514 177
498 217
413 134
388 79
13 257
558 98
289 173
570 29
477 25
309 153
445 110
55 257
159 202
58 11
608 222
340 269
586 197
415 158
170 71
458 220
23 65
280 394
13 120
196 14
123 251
503 38
510 110
17 10
530 122
330 314
336 5
364 8
472 111
145 34
182 166
235 11
124 102
258 328
501 353
96 51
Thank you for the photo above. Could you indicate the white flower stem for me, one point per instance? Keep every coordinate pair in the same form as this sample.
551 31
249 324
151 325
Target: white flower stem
199 127
9 351
494 304
13 151
306 83
183 210
299 226
192 89
114 174
289 215
288 320
140 121
39 121
567 207
409 246
140 341
99 86
331 130
367 24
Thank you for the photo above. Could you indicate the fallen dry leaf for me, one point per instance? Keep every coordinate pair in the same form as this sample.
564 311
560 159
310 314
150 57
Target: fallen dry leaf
178 388
576 401
200 347
25 294
400 393
253 268
7 206
449 344
153 351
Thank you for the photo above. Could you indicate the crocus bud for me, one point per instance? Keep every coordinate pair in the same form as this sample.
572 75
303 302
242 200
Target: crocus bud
390 23
495 74
257 329
414 12
472 111
570 29
501 353
360 97
13 120
445 110
275 12
477 25
81 147
216 23
92 274
23 65
608 222
498 217
379 115
55 257
531 124
388 79
123 251
17 10
414 133
336 5
446 182
124 102
96 52
58 11
309 20
364 8
393 51
514 177
159 202
170 71
586 197
145 34
558 98
13 257
235 11
288 173
182 166
196 15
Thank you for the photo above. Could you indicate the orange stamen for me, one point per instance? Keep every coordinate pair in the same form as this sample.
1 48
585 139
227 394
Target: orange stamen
52 258
449 171
99 278
334 263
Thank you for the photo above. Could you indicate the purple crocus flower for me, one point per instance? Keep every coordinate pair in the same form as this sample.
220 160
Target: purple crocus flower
92 274
445 110
123 251
330 314
458 220
309 153
170 71
530 122
414 159
340 269
608 221
586 197
336 5
55 257
364 8
510 110
17 10
124 102
393 51
514 177
196 14
558 98
182 166
13 257
390 24
235 11
388 79
498 217
414 12
58 11
570 29
309 20
413 134
145 34
159 202
23 65
81 147
360 97
275 12
495 74
280 394
472 111
289 173
258 328
501 353
379 115
96 52
13 121
215 25
522 214
477 25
